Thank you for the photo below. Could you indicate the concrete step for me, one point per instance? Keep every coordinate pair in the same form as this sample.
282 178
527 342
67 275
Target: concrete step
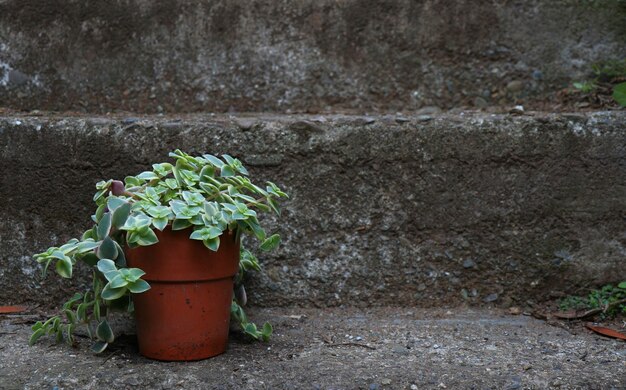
187 56
387 348
416 210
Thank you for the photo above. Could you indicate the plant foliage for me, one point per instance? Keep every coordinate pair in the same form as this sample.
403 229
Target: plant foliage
608 296
609 76
205 194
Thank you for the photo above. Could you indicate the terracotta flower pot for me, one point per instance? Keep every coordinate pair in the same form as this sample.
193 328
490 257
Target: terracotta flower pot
185 314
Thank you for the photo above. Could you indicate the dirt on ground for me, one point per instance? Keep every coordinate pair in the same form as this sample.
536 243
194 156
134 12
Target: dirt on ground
339 348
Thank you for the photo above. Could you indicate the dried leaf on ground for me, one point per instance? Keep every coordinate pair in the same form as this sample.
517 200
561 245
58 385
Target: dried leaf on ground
12 309
606 331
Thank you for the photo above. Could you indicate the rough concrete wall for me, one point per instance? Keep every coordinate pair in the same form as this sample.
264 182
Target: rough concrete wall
383 210
303 55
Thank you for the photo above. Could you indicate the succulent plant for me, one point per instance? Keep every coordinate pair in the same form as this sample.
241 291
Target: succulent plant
204 194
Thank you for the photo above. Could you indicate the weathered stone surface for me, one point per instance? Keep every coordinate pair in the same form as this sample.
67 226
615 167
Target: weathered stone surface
380 212
382 348
301 55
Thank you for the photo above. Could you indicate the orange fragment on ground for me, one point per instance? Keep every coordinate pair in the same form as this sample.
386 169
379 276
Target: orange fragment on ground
606 331
12 309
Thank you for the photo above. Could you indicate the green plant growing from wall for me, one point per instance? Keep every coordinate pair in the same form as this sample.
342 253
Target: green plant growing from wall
607 76
610 300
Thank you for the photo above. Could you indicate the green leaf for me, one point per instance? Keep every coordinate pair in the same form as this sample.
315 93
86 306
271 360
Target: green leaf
193 198
227 171
64 267
250 329
106 265
267 331
177 206
81 312
148 175
171 183
162 169
134 274
98 194
99 213
101 185
270 243
619 94
229 207
208 171
114 202
120 215
158 211
241 168
258 231
138 286
272 203
35 336
237 216
210 208
147 237
120 260
71 317
88 234
214 160
132 181
110 294
213 243
160 223
137 222
214 232
104 332
108 249
90 259
244 197
86 246
622 285
104 227
199 234
99 346
57 254
180 224
228 159
117 282
96 311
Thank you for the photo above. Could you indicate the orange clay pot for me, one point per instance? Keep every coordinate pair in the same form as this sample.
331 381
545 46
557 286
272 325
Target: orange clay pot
185 314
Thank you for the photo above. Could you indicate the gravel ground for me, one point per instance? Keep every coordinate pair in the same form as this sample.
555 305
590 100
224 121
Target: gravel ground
384 348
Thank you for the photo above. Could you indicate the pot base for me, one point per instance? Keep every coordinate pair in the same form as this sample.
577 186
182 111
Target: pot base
175 322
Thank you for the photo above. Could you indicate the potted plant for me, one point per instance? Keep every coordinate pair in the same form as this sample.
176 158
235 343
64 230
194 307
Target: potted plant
167 245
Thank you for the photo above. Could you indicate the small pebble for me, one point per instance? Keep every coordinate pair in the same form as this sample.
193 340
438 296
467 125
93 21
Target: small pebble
480 102
128 121
515 86
428 110
491 298
469 263
245 123
517 110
